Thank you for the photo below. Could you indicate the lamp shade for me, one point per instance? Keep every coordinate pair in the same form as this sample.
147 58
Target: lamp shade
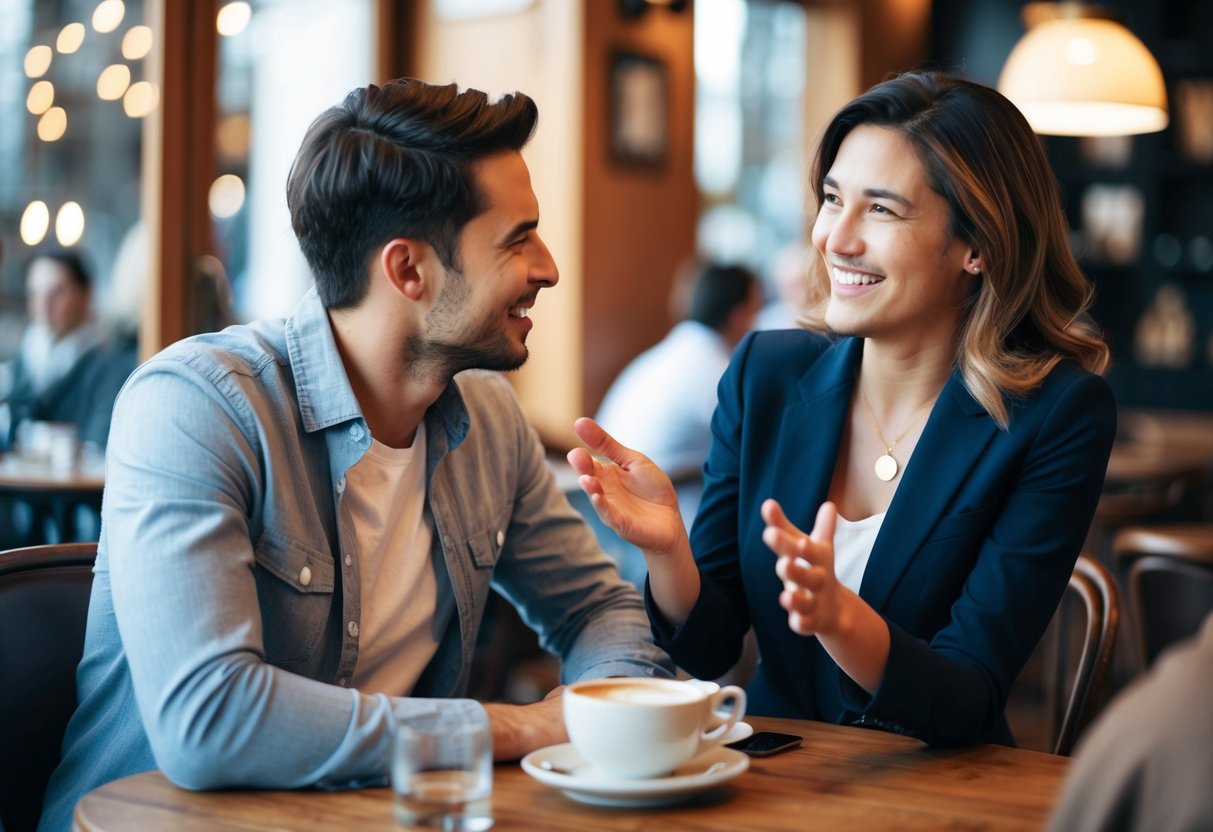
1085 77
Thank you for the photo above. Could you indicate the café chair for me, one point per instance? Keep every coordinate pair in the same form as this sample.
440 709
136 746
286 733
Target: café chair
1091 586
1170 582
44 593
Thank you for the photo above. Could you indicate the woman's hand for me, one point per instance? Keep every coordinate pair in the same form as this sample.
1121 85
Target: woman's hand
853 633
631 494
811 593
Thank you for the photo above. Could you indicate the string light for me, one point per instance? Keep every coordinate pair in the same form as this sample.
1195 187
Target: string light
232 18
70 38
139 100
108 15
41 97
137 42
38 61
113 82
52 125
69 224
35 220
226 196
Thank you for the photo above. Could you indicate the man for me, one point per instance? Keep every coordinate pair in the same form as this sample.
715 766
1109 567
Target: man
303 518
57 346
662 402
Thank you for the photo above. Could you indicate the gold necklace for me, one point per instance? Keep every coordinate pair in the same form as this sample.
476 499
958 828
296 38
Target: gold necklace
886 466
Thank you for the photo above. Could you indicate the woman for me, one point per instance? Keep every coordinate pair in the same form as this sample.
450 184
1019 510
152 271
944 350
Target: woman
946 443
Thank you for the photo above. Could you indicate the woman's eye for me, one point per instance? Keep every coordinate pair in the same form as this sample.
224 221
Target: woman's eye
831 199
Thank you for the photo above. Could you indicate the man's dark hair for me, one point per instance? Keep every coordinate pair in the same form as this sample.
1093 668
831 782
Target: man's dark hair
71 261
395 161
717 291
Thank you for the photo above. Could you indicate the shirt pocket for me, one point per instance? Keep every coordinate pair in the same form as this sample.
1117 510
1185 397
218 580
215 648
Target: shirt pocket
485 546
295 585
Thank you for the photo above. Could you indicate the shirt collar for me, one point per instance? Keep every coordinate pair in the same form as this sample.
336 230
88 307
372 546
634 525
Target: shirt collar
323 388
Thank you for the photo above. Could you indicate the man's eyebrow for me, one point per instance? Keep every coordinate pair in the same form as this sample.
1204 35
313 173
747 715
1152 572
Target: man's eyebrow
877 193
520 229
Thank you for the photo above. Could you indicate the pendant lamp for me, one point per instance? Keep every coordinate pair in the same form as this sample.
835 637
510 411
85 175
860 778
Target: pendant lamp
1077 72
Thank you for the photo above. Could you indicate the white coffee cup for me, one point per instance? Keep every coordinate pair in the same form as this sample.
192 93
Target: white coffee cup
637 727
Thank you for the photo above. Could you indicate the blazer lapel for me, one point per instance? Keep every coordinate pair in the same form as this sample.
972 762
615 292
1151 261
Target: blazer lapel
953 440
810 433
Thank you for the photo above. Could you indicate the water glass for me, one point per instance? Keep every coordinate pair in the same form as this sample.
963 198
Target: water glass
442 768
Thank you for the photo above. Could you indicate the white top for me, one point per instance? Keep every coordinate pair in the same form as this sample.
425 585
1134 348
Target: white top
385 492
853 541
662 403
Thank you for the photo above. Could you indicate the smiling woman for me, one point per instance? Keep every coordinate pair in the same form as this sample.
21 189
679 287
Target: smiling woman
951 321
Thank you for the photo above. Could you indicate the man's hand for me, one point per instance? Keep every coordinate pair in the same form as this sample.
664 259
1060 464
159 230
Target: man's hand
520 729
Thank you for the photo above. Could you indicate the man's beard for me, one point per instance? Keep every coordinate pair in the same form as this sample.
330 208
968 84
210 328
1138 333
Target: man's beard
446 349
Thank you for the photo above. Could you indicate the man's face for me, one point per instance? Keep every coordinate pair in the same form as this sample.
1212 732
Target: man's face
480 319
54 299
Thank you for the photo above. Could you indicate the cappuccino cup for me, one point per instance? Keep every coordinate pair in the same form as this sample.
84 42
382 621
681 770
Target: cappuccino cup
634 728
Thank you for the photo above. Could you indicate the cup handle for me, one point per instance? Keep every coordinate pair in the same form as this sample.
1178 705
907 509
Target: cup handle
715 735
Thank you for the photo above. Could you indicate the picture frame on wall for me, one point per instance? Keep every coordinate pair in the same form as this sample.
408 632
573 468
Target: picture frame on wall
639 109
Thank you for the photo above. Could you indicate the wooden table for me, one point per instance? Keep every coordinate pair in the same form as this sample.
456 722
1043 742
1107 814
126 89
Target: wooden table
841 778
55 493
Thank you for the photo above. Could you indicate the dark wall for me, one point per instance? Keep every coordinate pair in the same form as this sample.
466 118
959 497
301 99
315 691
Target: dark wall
974 38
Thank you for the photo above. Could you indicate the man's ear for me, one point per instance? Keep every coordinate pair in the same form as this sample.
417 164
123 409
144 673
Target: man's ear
408 264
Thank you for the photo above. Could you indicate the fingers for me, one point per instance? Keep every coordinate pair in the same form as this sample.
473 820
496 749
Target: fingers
601 442
823 525
581 460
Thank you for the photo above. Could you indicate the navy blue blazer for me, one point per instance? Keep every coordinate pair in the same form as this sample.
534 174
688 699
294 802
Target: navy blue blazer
970 563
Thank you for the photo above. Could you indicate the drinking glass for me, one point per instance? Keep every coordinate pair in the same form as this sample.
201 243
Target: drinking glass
442 768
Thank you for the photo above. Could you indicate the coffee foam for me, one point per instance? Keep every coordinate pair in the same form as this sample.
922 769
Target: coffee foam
641 694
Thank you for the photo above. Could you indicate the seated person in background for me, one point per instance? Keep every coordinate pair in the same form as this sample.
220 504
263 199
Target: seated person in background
57 348
1146 764
303 518
662 402
945 443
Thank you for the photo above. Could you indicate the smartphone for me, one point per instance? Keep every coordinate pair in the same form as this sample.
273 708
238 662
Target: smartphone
766 743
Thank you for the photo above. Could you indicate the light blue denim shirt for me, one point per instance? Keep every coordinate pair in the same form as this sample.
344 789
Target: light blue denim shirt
223 625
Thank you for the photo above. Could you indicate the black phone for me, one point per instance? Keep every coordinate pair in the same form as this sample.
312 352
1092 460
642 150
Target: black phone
766 743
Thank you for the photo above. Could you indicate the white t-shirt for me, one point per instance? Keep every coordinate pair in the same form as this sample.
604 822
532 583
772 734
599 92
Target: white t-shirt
853 541
385 494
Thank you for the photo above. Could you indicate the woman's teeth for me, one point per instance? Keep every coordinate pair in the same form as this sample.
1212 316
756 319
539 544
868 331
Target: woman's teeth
855 278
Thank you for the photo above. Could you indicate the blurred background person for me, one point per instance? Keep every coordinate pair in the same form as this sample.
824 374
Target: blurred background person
663 400
61 331
787 277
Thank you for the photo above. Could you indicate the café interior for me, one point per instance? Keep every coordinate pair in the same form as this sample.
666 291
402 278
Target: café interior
154 137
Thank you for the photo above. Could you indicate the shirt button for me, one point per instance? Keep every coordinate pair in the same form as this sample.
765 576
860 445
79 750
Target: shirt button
446 542
305 576
500 537
341 486
348 560
353 629
356 432
343 681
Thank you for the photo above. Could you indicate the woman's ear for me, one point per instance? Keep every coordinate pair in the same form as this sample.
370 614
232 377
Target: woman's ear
973 263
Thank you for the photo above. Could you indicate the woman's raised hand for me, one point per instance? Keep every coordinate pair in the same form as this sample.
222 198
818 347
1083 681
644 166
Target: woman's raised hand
811 593
631 494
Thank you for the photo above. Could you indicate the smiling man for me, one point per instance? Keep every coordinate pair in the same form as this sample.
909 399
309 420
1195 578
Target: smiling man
303 518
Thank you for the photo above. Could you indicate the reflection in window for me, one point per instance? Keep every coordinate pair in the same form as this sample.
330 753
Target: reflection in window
749 132
280 65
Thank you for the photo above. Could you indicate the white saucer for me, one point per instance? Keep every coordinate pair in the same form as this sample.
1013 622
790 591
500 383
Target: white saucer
584 784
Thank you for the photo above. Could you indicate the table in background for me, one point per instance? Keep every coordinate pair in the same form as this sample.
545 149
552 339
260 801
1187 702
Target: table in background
841 778
57 493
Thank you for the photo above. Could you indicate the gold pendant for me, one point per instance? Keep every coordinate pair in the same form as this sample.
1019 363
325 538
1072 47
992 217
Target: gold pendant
886 467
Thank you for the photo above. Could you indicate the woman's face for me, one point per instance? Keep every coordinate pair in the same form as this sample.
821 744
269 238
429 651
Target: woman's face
896 271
